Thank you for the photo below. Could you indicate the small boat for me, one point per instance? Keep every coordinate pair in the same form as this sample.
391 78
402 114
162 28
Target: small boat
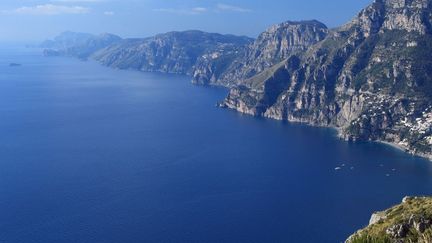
338 168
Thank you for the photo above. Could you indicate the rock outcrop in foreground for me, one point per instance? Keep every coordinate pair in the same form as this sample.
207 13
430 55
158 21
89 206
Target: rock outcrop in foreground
410 221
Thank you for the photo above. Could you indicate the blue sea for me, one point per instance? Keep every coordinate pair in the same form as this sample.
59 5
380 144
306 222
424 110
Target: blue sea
92 154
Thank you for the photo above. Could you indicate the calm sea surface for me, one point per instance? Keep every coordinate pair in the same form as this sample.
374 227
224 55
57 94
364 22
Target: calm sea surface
92 154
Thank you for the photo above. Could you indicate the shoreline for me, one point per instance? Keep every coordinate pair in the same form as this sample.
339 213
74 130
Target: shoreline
406 150
340 134
394 145
293 121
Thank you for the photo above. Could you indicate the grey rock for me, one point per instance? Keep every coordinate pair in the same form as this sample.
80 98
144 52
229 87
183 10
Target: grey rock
407 199
273 46
174 52
398 231
370 78
377 217
419 223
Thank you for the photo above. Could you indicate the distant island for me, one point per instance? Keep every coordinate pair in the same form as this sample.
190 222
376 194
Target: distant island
15 65
370 78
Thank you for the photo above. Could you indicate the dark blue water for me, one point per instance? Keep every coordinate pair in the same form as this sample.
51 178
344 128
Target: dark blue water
91 154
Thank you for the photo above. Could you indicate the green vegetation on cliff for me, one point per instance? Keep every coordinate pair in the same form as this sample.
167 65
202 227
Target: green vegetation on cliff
410 221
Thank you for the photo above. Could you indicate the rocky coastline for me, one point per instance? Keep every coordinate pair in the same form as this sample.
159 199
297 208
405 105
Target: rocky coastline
239 105
371 78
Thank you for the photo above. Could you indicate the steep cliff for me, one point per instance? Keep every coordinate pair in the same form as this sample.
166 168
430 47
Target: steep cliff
372 78
410 221
173 52
271 47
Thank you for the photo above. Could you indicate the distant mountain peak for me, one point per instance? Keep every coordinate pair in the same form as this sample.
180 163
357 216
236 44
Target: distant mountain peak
271 47
405 3
408 15
371 77
312 22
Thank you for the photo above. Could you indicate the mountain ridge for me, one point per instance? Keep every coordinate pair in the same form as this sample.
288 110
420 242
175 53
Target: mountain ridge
272 46
171 52
370 78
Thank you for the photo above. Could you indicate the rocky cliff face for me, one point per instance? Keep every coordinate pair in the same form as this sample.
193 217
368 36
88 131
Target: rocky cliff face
410 221
273 46
174 52
372 78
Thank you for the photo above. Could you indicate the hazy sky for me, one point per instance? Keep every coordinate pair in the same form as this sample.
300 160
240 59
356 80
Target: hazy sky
41 19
